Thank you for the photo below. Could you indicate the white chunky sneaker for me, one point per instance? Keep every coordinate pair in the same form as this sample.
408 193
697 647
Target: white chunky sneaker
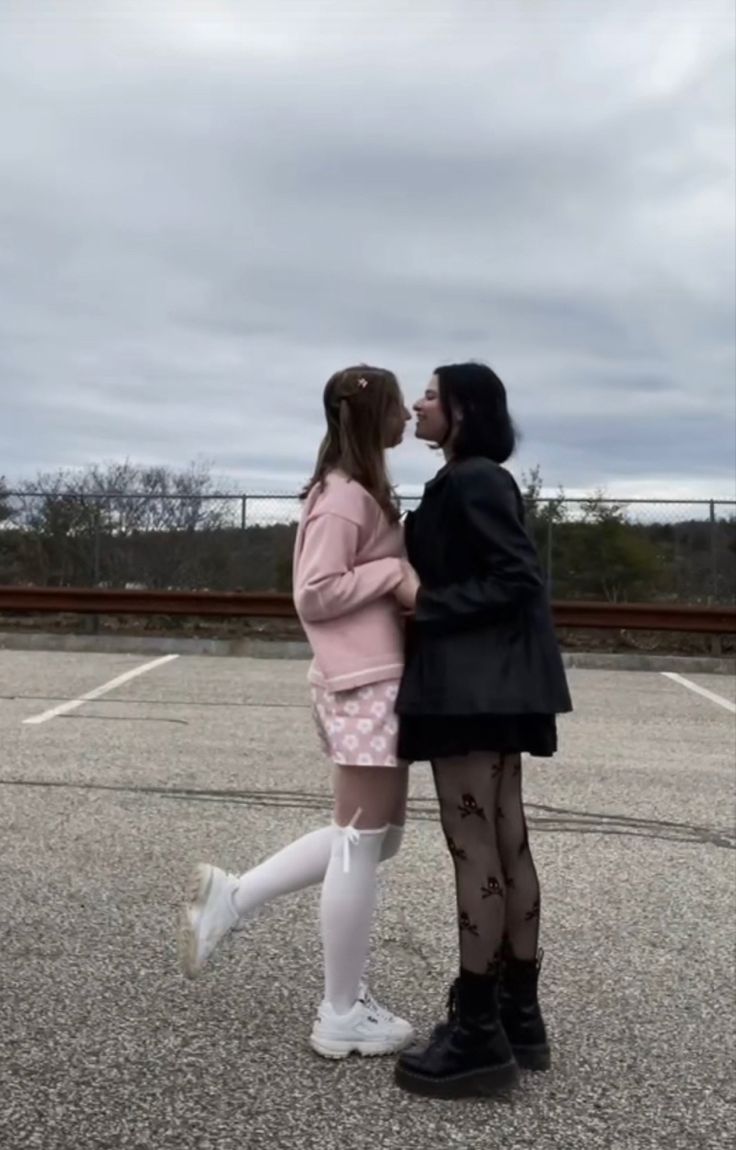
207 916
385 1016
367 1029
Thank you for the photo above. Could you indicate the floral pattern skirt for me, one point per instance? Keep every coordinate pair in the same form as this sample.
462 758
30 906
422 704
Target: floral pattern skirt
359 728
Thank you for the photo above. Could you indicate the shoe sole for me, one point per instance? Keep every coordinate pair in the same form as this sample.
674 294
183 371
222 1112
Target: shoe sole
476 1084
336 1049
536 1058
198 891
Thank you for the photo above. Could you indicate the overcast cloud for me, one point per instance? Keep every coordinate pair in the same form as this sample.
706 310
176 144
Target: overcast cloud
206 208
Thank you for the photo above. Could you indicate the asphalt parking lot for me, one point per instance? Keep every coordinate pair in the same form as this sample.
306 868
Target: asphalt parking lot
106 803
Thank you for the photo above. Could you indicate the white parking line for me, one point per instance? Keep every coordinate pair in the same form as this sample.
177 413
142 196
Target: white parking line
72 704
701 691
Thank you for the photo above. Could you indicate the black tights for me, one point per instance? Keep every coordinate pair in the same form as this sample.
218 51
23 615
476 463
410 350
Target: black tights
482 814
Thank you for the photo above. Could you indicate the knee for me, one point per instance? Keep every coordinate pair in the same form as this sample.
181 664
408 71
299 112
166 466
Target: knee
365 842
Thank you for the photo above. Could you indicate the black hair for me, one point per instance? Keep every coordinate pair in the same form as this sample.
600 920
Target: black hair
485 427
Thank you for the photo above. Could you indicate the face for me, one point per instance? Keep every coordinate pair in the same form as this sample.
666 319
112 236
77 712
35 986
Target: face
432 425
397 423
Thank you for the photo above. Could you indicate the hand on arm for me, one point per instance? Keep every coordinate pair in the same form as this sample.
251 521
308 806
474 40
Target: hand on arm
407 590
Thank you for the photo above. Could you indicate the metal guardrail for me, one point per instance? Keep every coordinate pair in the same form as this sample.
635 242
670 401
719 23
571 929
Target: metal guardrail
107 601
590 548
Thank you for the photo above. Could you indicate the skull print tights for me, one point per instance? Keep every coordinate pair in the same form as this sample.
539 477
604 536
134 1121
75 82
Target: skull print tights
483 820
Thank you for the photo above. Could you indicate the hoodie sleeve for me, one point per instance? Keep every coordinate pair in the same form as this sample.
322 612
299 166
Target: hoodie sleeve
327 582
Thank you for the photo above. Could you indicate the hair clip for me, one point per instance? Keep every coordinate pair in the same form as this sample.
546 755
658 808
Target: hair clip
362 382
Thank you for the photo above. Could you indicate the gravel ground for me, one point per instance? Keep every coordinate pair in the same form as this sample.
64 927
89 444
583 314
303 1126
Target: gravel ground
104 808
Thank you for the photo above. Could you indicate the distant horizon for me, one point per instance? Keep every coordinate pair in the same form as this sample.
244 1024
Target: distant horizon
238 485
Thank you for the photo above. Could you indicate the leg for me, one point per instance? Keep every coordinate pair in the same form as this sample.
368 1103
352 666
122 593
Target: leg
300 864
365 799
303 863
520 874
520 1012
470 1055
468 789
218 902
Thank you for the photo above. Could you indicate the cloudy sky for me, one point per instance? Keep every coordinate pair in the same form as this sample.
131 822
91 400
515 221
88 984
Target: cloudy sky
207 207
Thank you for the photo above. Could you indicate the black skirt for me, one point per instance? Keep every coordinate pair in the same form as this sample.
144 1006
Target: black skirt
423 738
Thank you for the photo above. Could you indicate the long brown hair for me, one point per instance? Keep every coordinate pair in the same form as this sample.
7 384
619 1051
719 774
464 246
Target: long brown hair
359 403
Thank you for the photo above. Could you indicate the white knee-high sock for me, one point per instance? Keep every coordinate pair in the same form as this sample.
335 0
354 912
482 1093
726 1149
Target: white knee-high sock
301 864
346 912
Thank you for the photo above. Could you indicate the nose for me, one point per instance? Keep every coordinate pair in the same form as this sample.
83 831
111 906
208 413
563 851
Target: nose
407 415
417 407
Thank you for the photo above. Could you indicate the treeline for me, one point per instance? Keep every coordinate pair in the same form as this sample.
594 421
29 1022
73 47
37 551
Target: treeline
129 526
594 549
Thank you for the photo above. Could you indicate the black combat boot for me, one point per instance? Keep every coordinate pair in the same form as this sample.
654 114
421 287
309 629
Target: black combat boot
469 1056
520 1014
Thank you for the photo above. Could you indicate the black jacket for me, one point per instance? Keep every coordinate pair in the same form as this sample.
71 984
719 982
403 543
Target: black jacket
482 640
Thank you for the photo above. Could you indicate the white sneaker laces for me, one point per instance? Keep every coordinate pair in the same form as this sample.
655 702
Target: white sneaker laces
375 1007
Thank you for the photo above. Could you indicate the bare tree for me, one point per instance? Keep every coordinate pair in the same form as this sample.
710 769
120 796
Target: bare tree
541 509
119 524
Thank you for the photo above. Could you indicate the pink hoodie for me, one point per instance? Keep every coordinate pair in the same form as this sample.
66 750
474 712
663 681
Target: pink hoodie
347 561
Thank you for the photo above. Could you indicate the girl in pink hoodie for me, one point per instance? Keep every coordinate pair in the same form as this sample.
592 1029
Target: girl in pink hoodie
351 582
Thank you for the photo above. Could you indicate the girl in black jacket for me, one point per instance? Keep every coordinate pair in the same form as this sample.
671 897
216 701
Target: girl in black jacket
483 683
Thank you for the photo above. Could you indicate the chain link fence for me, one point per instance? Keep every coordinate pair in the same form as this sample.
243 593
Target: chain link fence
637 550
592 548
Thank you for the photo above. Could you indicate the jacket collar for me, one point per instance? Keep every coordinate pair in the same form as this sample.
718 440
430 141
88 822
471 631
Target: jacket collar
441 474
